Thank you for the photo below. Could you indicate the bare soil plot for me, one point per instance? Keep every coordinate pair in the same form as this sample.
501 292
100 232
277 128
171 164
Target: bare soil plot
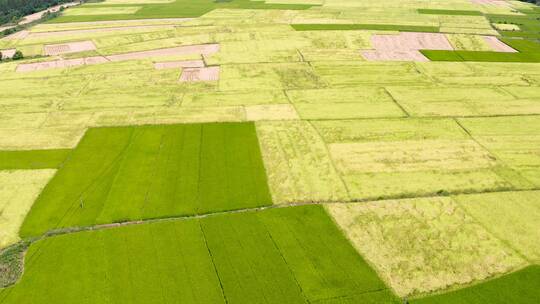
497 45
70 47
200 74
7 53
424 245
409 55
18 190
411 41
297 163
179 64
501 3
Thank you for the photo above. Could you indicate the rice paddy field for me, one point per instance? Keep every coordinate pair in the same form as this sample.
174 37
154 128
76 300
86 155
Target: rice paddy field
272 151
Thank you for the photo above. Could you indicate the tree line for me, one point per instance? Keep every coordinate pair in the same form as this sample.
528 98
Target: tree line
13 10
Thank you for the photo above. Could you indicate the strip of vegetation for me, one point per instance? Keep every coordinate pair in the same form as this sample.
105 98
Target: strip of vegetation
33 159
529 51
448 12
517 288
377 27
181 9
11 263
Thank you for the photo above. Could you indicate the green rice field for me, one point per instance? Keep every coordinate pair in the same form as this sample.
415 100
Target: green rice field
272 151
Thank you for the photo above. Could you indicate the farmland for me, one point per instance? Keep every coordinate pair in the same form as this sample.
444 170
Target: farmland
277 151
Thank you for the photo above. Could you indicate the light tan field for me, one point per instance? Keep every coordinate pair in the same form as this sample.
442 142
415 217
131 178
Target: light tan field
18 190
425 244
70 47
200 74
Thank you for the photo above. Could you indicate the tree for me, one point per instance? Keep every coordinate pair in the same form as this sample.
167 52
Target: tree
18 55
0 56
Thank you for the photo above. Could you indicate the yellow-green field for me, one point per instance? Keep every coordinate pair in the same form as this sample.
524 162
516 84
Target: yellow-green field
206 127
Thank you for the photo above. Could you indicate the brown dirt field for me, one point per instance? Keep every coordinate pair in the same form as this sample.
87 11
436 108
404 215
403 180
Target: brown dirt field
411 41
203 49
3 28
497 45
38 66
409 55
179 64
200 74
70 47
7 53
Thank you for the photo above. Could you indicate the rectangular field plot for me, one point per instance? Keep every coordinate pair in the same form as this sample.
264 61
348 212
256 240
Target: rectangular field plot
133 173
459 100
297 163
423 245
300 246
18 190
137 264
283 255
520 287
511 216
360 102
32 159
513 140
413 157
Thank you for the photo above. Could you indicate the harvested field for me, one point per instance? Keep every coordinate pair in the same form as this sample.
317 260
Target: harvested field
142 165
200 74
423 245
18 190
67 48
179 64
112 10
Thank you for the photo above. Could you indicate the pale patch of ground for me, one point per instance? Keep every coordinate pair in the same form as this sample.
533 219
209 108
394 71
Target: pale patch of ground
411 41
17 35
409 55
497 45
271 112
297 163
423 245
179 64
18 190
69 47
511 216
200 74
506 27
7 53
7 27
